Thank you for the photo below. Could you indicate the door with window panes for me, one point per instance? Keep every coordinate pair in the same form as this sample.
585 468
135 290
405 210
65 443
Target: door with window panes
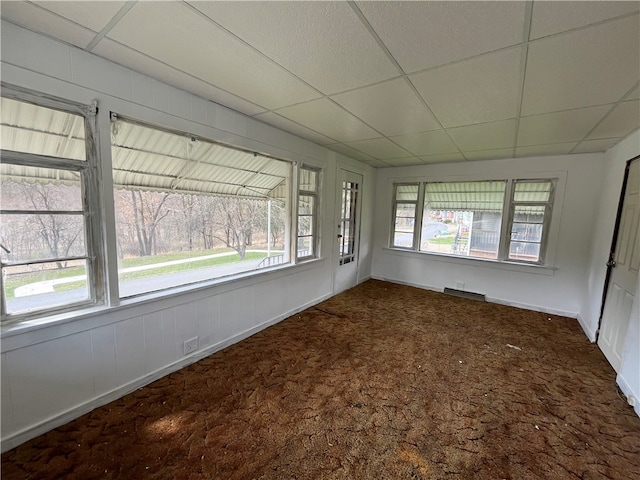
348 230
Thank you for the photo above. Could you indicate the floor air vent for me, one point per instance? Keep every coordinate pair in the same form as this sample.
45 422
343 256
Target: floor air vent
463 294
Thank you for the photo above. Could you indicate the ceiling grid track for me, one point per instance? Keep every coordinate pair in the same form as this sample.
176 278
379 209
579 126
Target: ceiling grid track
525 55
112 23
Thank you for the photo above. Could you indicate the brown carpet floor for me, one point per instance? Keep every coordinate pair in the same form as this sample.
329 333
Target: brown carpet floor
381 382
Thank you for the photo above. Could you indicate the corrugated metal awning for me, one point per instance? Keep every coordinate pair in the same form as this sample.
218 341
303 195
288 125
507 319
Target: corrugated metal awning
466 196
143 158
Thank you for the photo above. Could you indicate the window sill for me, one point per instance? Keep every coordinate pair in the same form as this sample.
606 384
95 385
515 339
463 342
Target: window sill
28 332
476 262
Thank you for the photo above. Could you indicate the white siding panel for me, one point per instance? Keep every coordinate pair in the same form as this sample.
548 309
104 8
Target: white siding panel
84 67
103 343
179 103
169 350
154 357
236 311
130 350
12 45
114 80
186 325
198 109
204 327
50 377
5 396
50 58
142 89
160 93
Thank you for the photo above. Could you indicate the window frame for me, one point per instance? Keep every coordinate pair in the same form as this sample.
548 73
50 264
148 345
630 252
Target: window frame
90 188
546 223
550 223
417 214
289 254
315 237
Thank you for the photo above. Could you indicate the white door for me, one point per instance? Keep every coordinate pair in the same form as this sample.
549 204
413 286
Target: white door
624 274
348 230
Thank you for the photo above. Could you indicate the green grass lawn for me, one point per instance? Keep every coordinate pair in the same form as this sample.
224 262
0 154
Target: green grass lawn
442 241
12 283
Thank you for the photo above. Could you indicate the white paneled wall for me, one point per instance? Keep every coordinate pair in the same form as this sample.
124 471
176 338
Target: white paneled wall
556 290
53 372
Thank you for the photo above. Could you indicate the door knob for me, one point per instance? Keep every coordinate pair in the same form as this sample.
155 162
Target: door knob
611 263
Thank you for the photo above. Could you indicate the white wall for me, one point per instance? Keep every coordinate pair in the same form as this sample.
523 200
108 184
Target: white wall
53 372
558 290
615 161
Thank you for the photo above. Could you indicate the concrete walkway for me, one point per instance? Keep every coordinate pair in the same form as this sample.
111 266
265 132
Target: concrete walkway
47 286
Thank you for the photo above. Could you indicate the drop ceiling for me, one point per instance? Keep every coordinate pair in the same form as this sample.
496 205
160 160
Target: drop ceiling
387 83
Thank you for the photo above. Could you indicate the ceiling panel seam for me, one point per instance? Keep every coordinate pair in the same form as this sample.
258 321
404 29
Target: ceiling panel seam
188 75
526 35
606 115
248 45
112 23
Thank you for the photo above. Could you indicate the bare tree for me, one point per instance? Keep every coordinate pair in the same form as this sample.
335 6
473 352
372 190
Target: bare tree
237 220
59 233
148 212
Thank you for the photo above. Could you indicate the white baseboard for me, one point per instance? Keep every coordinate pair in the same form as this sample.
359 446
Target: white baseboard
629 393
588 331
408 284
525 306
17 438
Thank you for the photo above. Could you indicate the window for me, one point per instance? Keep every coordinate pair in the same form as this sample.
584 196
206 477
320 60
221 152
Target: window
463 218
307 244
529 220
475 219
405 205
189 210
49 253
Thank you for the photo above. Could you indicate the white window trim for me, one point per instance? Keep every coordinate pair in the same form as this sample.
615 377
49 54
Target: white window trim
315 224
91 200
553 231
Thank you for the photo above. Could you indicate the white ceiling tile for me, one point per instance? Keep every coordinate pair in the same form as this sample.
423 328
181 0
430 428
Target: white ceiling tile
380 148
94 15
41 20
141 63
289 126
593 66
591 146
324 43
350 152
427 143
176 35
553 17
403 162
484 136
493 154
329 119
540 150
478 90
621 121
424 34
561 127
391 107
442 158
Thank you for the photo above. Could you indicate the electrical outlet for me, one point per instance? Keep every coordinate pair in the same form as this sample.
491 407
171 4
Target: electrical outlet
190 345
459 285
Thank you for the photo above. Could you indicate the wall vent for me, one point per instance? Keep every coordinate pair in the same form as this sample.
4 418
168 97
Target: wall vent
463 294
